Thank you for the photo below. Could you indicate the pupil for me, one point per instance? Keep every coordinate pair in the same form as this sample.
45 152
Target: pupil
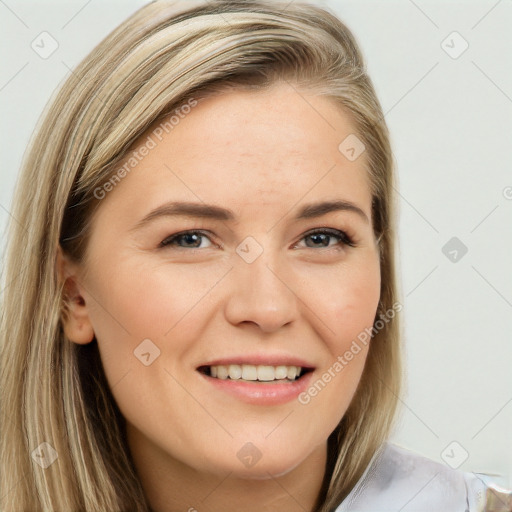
192 239
321 238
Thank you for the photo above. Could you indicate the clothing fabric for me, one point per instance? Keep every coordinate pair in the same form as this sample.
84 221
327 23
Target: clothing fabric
398 480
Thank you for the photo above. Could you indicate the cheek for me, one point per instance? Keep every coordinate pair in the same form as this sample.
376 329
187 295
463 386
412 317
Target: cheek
331 391
135 301
347 305
138 302
354 310
347 302
144 300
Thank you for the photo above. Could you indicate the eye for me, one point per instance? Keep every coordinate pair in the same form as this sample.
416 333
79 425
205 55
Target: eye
327 237
320 238
187 240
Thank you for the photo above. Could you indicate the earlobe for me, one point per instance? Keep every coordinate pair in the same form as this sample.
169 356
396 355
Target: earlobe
74 313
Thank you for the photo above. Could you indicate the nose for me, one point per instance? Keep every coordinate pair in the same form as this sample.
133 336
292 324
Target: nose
261 294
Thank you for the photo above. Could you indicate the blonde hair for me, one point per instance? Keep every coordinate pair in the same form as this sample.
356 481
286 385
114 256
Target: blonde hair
55 391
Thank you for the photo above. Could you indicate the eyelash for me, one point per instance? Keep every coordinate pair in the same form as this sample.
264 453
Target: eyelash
344 239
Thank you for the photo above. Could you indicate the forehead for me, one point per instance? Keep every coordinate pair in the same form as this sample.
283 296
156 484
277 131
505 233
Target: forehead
268 148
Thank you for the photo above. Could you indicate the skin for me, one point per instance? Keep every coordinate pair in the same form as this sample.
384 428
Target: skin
262 155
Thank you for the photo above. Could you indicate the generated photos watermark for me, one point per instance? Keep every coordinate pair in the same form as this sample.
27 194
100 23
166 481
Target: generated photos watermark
343 360
145 148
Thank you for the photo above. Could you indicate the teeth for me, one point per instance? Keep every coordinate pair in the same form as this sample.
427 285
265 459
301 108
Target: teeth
292 372
249 372
235 372
262 373
281 372
222 372
266 373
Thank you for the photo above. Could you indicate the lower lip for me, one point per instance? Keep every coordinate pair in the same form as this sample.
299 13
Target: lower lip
261 393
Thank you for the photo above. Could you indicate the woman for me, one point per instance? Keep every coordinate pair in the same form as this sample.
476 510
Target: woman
204 314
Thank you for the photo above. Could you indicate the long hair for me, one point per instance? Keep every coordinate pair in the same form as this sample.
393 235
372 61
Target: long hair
55 391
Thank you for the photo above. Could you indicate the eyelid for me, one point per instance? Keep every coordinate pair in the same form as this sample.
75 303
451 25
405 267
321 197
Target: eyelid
345 238
167 240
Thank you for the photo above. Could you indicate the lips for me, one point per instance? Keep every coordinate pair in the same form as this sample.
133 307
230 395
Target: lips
259 380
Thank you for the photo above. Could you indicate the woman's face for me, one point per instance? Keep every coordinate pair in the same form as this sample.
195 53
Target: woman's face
225 250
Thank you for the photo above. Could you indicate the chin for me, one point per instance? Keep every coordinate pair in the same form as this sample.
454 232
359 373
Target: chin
265 468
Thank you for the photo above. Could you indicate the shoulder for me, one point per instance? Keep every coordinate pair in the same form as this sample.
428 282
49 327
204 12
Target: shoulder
400 480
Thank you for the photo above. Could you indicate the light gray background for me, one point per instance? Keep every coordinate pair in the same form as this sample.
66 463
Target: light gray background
451 125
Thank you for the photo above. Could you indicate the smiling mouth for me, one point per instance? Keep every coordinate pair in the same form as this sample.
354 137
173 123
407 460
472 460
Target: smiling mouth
255 373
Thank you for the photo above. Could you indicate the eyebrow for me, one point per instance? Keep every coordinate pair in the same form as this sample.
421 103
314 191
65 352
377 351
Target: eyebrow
210 211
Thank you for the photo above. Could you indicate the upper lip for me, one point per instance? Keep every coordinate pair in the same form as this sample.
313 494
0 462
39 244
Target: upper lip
259 360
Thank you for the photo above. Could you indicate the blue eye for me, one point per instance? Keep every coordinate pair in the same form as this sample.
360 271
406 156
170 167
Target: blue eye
186 240
323 238
320 238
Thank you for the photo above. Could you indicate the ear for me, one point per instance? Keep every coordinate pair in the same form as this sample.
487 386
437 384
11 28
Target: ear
75 316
